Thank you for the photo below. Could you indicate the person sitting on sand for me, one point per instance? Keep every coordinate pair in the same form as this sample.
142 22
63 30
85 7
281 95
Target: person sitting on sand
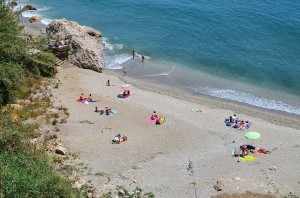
126 93
233 118
154 115
108 83
236 125
97 109
108 111
82 97
90 99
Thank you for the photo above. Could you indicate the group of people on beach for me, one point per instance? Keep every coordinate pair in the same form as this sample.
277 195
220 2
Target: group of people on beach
88 99
236 123
133 55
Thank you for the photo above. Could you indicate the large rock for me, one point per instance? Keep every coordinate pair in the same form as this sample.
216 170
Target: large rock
35 19
85 43
29 7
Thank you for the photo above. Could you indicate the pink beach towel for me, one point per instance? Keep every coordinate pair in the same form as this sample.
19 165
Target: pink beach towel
149 120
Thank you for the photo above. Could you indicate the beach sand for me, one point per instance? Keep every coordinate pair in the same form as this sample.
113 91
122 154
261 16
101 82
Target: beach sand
156 157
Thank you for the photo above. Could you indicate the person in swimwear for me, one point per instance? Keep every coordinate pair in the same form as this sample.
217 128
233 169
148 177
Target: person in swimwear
154 115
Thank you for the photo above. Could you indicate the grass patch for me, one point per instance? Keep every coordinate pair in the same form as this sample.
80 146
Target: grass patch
27 175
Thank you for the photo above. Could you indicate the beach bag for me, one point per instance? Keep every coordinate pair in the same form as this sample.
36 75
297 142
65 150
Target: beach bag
162 119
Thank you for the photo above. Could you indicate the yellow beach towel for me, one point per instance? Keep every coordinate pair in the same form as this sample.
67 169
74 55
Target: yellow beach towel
247 158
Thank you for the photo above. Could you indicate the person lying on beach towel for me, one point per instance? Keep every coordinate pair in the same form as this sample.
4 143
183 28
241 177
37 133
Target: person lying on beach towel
160 120
118 139
106 111
91 99
125 94
246 148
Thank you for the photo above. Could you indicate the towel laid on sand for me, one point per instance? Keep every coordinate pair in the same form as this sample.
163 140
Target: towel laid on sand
85 101
247 158
113 112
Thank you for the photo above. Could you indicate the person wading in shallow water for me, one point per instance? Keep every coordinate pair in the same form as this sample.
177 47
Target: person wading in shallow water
143 57
133 53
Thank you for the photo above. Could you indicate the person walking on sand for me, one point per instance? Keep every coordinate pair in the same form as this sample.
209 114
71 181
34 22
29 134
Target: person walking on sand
124 71
133 53
143 57
108 83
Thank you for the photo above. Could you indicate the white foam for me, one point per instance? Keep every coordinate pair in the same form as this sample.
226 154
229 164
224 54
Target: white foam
161 74
46 21
109 46
252 100
30 14
116 61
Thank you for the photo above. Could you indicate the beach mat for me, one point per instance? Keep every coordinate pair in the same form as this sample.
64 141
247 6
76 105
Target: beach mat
198 110
149 120
114 112
247 158
85 101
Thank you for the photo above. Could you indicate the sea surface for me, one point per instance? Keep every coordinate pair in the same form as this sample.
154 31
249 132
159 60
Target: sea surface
245 51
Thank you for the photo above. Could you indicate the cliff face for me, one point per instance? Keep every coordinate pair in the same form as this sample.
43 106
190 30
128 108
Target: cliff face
85 43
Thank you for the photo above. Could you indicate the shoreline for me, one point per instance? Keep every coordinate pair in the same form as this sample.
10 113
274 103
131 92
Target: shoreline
35 28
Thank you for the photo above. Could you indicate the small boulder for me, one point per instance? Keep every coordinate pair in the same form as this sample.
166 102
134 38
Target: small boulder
61 150
35 19
219 185
273 168
237 179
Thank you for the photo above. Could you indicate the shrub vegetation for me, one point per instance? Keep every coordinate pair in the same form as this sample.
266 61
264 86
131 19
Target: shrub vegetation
25 170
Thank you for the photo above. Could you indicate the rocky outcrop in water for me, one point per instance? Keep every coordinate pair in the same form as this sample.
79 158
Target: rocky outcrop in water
29 7
84 43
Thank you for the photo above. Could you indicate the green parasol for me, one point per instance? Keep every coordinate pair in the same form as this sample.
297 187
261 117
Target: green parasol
252 135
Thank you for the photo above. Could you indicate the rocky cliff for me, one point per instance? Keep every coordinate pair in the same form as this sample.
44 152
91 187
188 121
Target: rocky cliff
85 43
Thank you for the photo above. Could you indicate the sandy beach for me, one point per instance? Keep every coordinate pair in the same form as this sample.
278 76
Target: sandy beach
156 157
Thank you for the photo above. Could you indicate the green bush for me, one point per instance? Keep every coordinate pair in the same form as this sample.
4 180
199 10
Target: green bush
10 77
27 175
13 134
42 63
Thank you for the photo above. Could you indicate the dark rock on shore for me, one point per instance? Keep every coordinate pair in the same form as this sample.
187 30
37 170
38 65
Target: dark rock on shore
29 7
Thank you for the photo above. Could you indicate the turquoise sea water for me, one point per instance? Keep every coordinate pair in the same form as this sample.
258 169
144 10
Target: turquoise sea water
246 51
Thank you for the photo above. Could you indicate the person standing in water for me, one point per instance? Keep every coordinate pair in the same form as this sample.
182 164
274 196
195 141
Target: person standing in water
143 57
133 53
